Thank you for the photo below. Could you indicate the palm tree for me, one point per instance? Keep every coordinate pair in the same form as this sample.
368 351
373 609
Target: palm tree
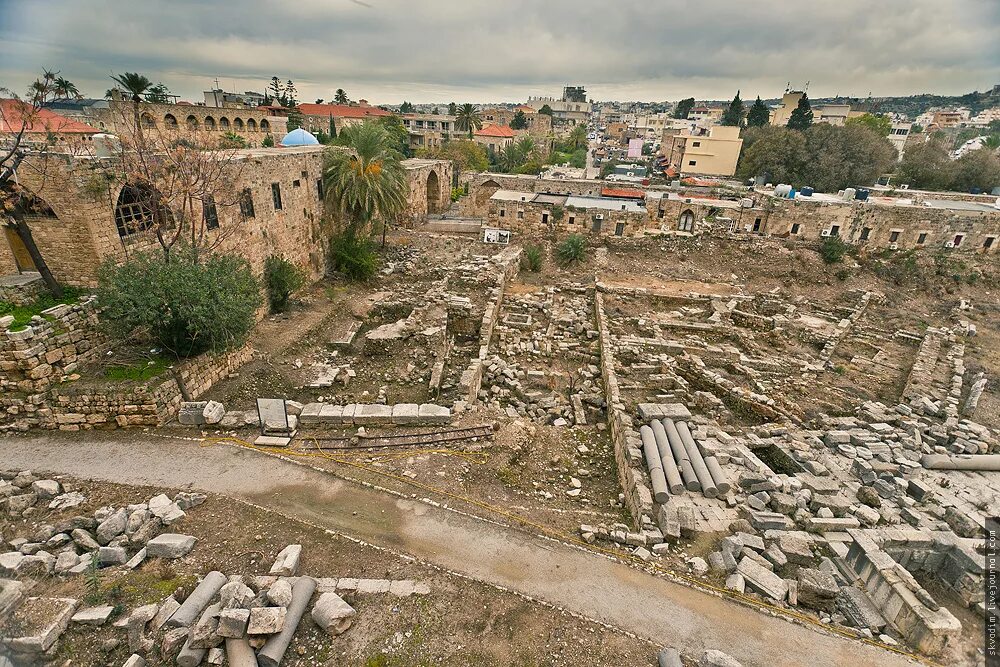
135 85
467 118
367 182
527 147
63 87
577 138
340 97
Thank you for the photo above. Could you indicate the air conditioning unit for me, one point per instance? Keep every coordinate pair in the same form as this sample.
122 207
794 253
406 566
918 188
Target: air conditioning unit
893 246
825 232
949 244
599 216
687 201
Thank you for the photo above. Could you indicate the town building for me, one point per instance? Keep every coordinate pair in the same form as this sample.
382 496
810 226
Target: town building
220 98
712 151
316 117
39 125
531 214
898 136
538 124
182 119
494 137
428 130
271 204
790 100
704 115
564 111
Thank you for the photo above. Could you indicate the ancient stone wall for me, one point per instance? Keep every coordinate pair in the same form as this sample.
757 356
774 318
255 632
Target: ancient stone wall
525 218
430 188
188 120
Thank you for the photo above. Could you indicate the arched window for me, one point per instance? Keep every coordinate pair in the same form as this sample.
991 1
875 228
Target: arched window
251 125
147 121
433 192
169 120
209 123
265 126
686 222
192 122
134 210
238 123
224 123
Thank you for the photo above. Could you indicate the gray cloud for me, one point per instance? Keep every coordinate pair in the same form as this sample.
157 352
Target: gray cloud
441 50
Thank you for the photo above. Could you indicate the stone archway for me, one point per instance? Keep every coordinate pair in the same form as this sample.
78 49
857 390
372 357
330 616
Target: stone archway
433 193
134 209
484 191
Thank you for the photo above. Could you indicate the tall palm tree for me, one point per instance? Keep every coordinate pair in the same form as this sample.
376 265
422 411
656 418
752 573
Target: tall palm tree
135 85
577 137
527 147
467 118
368 182
63 87
340 96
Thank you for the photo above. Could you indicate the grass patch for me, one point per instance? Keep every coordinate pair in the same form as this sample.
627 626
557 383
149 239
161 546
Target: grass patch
151 584
23 314
137 371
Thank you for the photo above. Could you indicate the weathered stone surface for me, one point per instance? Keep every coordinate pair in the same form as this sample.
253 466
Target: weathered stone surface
46 488
266 620
817 589
112 527
170 545
108 556
93 615
233 622
714 658
280 593
163 614
52 615
333 614
286 564
762 580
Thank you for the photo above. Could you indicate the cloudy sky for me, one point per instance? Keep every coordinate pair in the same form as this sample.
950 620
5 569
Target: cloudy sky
504 50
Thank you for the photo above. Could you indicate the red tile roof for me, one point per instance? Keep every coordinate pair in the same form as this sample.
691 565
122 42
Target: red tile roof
623 193
494 130
13 112
525 108
340 111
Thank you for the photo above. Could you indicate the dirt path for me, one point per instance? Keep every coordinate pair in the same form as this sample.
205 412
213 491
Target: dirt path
588 584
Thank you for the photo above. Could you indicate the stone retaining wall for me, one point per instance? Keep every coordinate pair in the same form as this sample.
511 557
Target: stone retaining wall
624 437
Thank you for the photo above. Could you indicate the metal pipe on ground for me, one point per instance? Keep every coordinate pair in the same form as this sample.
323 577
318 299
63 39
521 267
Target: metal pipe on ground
718 476
708 486
670 471
983 462
652 453
192 657
239 653
682 456
272 652
198 600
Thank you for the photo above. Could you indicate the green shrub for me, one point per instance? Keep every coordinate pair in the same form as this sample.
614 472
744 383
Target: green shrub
23 314
354 256
281 278
187 305
557 212
531 259
572 250
456 194
832 249
268 141
843 274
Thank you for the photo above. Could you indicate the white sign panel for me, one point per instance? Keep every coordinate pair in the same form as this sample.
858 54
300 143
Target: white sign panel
635 147
494 235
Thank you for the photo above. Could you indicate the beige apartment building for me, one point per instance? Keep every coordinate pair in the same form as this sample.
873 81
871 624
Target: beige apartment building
714 153
428 130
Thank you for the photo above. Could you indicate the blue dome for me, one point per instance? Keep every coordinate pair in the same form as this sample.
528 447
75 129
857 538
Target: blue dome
299 137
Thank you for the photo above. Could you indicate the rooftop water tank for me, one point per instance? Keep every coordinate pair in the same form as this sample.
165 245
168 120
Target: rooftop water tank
782 190
849 194
807 191
862 194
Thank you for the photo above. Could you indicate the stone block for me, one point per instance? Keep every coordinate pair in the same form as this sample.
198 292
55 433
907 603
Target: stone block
93 615
233 623
434 414
405 413
286 564
266 620
332 613
372 413
170 545
762 580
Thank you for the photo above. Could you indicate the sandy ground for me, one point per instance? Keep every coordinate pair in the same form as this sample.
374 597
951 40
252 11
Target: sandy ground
593 586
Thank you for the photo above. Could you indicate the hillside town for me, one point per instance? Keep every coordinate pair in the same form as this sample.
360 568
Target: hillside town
509 377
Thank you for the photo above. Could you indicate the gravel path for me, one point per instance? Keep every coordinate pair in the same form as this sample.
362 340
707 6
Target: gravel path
588 584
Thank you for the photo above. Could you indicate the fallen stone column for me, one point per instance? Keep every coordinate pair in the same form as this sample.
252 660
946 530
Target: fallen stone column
239 653
670 471
274 649
985 462
718 476
656 477
192 657
697 462
681 455
198 600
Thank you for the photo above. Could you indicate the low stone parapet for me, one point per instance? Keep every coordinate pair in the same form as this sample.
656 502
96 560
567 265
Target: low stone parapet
374 414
